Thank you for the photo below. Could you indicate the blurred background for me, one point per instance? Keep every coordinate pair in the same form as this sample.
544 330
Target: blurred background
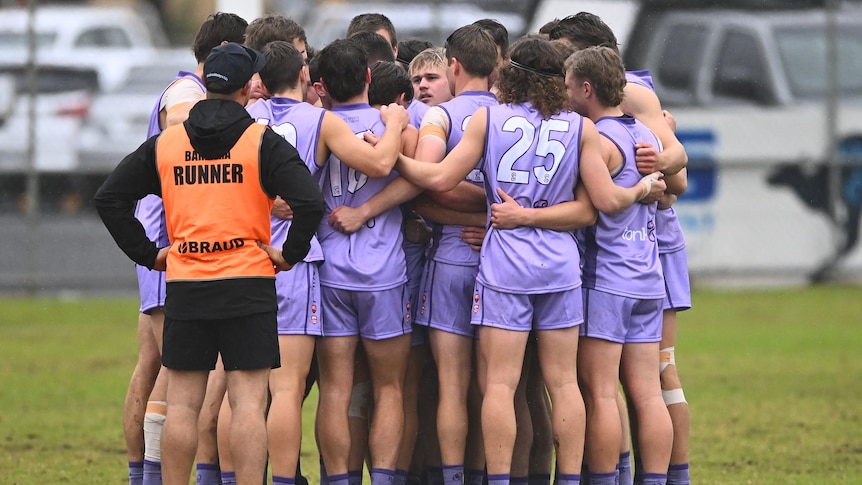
767 95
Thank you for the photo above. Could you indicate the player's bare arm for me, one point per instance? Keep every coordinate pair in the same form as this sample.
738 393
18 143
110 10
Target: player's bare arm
643 104
375 161
566 216
455 166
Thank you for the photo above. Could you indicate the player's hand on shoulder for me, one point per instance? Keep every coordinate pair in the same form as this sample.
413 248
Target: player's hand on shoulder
646 157
394 113
370 138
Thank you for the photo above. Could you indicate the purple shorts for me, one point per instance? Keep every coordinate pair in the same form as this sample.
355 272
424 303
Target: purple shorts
151 287
676 283
151 284
446 297
298 296
375 315
522 313
621 319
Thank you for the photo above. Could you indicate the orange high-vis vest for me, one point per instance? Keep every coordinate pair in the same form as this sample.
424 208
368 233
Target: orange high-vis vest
216 210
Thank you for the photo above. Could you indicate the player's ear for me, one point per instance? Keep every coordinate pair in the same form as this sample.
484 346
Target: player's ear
320 89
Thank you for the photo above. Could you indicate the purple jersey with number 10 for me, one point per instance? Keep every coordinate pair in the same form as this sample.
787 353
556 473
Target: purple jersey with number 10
299 124
372 257
621 253
535 161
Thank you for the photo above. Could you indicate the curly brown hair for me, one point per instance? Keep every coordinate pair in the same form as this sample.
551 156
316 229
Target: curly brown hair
534 75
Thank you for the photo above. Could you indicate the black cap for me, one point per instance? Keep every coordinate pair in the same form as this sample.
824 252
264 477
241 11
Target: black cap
229 66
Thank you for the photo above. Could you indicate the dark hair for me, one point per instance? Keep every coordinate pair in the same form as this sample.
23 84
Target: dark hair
498 33
283 65
372 22
584 30
376 47
407 50
217 28
314 66
271 27
603 68
548 27
388 81
534 75
474 48
342 66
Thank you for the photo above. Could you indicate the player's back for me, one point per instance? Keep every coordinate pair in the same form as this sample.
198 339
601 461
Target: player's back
620 250
298 123
372 257
535 161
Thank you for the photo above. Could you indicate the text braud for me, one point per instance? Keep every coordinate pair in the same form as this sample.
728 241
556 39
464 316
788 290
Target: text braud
193 247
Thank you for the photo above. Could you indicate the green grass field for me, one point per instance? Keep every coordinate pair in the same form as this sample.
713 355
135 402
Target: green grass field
773 378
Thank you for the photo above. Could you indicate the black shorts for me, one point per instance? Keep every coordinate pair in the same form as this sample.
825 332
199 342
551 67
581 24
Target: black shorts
246 343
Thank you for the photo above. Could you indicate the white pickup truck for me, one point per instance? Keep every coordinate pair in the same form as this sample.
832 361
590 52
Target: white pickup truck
750 93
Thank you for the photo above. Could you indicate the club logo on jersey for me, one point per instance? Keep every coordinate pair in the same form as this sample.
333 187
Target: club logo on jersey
202 247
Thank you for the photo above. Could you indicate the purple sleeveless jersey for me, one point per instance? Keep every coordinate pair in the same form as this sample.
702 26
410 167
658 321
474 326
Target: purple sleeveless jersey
299 124
151 213
447 246
372 257
536 161
620 250
642 77
416 110
668 229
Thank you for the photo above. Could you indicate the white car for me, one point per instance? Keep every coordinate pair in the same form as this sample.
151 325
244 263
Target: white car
109 39
62 100
118 119
432 21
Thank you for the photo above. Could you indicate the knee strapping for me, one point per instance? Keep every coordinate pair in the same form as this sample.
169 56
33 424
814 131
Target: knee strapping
359 400
154 419
673 396
666 358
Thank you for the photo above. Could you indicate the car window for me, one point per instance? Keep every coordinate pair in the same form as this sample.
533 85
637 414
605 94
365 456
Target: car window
740 70
803 52
18 40
103 37
679 57
51 79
